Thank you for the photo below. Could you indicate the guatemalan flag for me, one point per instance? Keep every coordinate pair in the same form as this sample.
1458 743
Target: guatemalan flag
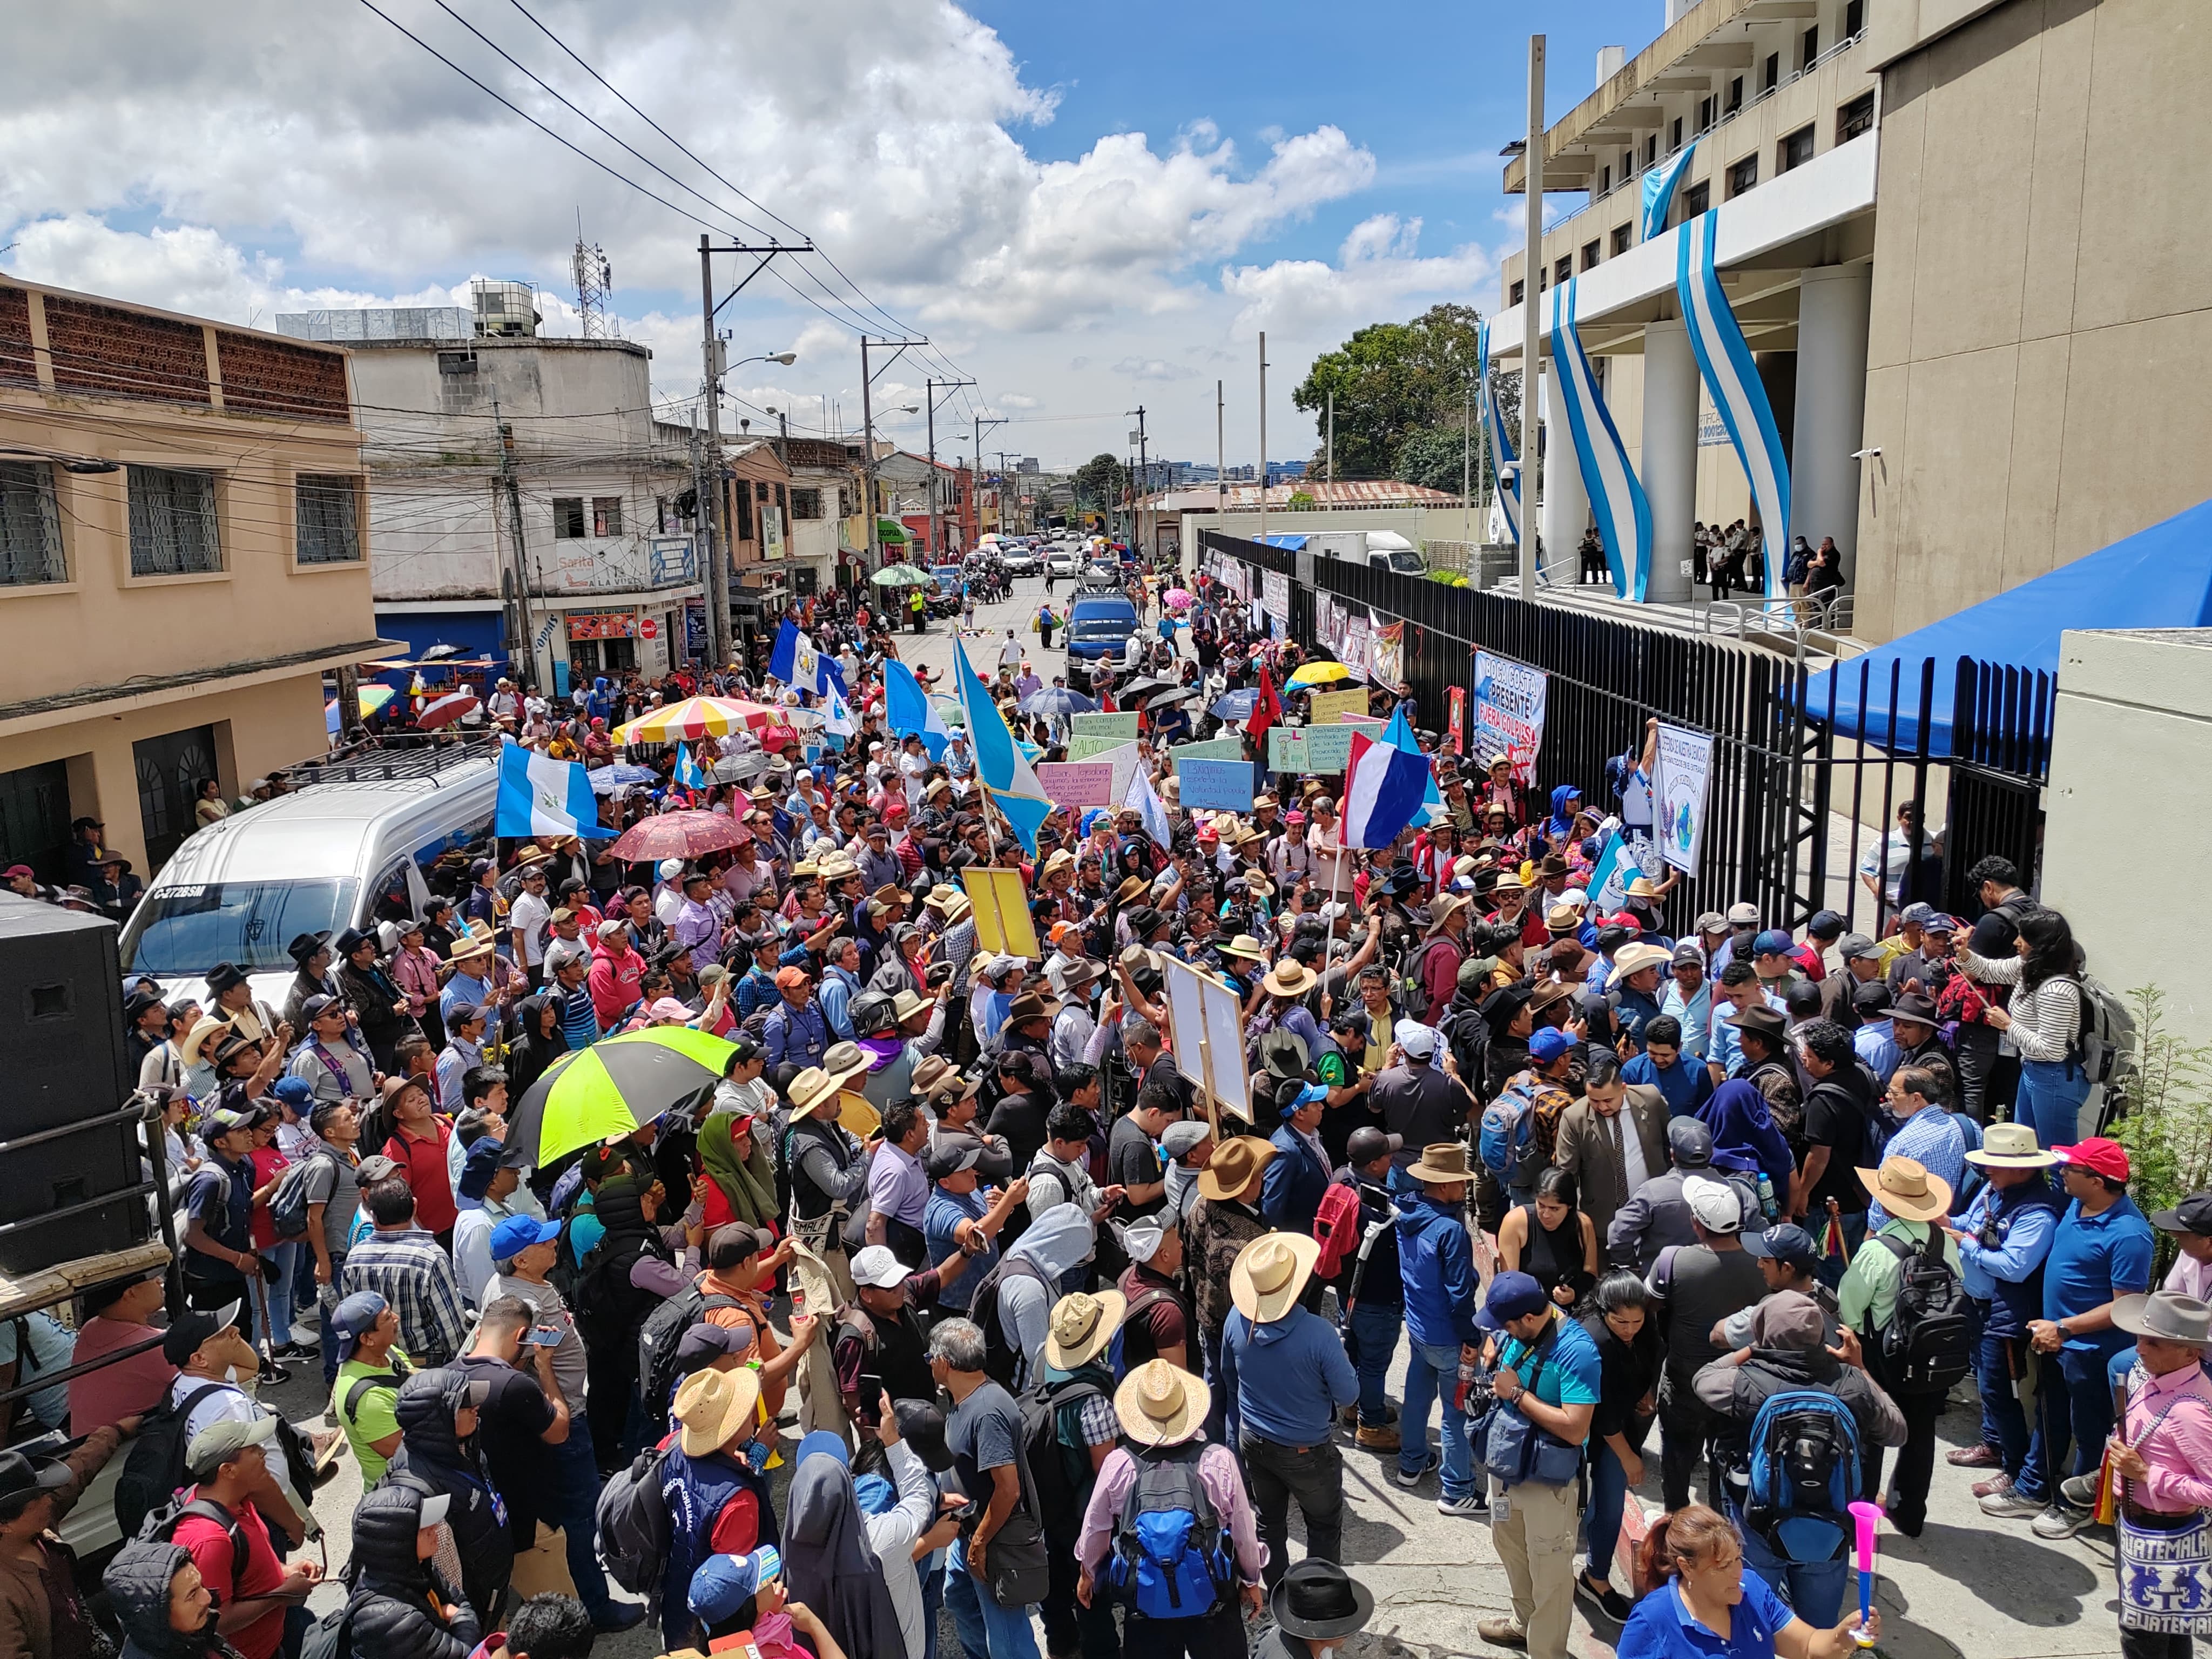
1003 768
1383 789
540 796
800 666
687 769
908 710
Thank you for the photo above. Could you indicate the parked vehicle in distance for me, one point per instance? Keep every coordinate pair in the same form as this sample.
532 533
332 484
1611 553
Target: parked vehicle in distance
1019 558
1378 550
1063 561
1099 623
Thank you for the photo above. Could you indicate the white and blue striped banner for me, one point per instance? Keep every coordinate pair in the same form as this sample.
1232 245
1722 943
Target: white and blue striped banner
1616 497
541 796
1501 446
1660 184
1732 379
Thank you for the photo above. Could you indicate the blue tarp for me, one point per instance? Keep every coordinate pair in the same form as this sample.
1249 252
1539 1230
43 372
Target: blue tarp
1292 542
2161 577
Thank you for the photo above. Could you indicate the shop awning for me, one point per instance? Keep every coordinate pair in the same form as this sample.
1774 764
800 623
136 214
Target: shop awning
890 533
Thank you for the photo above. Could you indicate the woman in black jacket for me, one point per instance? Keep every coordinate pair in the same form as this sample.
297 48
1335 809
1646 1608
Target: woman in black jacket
167 1613
401 1607
536 1043
1632 1353
438 1452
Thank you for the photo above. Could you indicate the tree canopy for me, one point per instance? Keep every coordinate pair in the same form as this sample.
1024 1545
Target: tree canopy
1100 481
1400 390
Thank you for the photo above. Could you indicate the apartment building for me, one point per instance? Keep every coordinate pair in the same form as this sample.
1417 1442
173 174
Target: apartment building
1962 278
183 555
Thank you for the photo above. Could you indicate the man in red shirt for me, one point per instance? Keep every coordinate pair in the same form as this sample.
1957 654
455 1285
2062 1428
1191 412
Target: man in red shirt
616 970
254 1592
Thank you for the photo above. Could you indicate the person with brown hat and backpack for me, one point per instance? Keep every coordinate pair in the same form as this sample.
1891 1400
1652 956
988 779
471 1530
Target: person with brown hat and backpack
1443 1292
1223 1220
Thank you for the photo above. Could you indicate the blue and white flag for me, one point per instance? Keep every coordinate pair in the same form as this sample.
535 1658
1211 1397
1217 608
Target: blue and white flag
1145 801
1731 376
999 766
837 723
908 711
1610 876
1616 494
1660 184
687 769
1501 441
797 663
540 796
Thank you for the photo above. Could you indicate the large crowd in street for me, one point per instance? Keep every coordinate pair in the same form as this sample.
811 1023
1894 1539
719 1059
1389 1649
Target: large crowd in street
947 1285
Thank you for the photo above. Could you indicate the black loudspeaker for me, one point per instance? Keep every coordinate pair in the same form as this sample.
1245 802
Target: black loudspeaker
62 1063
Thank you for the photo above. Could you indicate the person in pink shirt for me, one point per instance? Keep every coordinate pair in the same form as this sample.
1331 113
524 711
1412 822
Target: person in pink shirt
2191 1223
616 970
2161 1466
115 1319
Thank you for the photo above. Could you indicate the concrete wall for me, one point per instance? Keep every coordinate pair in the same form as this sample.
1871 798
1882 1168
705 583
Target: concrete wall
2133 706
2042 300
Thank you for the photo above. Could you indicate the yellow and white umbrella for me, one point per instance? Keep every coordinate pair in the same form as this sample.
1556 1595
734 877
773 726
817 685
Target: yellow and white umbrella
695 718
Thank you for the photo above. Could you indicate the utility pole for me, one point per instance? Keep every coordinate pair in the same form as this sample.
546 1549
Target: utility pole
1466 462
936 519
1532 301
1220 460
715 522
524 621
1330 441
1144 484
983 424
1263 435
868 441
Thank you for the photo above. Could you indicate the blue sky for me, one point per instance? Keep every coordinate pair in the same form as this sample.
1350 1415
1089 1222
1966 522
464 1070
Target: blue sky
1303 169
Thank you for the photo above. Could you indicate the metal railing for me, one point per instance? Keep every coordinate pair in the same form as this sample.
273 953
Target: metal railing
1797 621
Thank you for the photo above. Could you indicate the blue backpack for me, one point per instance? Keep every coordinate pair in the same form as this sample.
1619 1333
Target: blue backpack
1804 1473
1503 1138
1170 1552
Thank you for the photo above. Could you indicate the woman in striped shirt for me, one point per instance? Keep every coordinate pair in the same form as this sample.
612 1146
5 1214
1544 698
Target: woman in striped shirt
2044 1018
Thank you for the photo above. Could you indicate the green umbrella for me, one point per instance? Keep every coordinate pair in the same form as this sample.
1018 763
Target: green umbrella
900 575
616 1085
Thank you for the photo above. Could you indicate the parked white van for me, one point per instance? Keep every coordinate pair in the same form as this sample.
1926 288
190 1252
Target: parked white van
341 853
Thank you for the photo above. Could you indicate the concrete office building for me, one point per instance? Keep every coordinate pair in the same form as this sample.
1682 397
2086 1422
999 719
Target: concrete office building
1960 241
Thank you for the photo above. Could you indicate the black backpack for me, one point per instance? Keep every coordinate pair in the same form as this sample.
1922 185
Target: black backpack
609 1309
658 1340
632 1523
159 1526
1060 1492
1000 1360
1928 1343
154 1471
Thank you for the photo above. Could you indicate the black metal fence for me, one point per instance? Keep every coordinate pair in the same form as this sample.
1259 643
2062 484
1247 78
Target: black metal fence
1792 804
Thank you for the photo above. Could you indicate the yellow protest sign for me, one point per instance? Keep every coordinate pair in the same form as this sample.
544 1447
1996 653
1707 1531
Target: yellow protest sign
1327 708
1003 925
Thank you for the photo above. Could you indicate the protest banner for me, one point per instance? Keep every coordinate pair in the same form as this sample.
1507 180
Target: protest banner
1386 654
1001 904
1119 727
1089 748
1217 786
1212 749
1681 778
1315 751
1352 653
1078 784
1275 594
1509 712
1205 1021
1327 708
1456 719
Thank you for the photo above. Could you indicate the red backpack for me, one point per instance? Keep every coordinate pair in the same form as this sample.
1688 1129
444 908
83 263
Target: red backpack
1336 1225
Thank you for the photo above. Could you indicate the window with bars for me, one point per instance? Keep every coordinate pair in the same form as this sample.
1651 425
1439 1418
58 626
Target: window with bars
327 519
30 526
174 530
606 515
567 518
805 503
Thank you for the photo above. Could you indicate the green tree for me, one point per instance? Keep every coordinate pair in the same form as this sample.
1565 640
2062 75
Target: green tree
1099 483
1392 381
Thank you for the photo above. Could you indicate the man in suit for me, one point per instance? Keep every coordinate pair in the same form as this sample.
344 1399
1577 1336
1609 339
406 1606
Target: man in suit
1613 1139
1299 1175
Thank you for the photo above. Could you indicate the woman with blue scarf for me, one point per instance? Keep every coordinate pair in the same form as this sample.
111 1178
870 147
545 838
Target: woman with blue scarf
1738 1116
1566 801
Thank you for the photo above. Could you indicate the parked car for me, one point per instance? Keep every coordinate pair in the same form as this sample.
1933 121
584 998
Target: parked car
1019 558
1063 561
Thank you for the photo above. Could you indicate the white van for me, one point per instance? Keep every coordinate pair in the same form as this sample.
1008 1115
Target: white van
332 855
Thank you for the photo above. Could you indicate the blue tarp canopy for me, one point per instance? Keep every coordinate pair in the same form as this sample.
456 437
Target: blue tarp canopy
1292 542
2161 577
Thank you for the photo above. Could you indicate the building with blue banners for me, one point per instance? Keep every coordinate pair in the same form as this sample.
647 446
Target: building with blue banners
1891 272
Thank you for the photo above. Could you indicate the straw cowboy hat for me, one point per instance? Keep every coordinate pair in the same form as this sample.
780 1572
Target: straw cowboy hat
1442 908
1234 1165
1289 979
188 1051
816 1088
1442 1161
1082 1328
1907 1191
2010 1146
468 948
1246 946
1162 1405
1269 1272
715 1407
1634 958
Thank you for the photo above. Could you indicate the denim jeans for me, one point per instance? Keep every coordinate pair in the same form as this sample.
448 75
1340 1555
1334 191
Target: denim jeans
2004 1419
2074 1411
1609 1498
277 1297
1432 1373
571 1500
1814 1590
326 1299
988 1630
1371 1335
932 1600
2049 1102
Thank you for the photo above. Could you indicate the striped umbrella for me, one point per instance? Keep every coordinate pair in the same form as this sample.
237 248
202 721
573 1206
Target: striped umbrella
695 718
616 1085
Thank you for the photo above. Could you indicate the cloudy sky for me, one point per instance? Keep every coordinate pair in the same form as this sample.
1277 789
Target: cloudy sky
1082 208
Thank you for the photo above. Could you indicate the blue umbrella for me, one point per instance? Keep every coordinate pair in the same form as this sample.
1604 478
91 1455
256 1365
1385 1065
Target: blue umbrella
606 779
1237 705
1057 700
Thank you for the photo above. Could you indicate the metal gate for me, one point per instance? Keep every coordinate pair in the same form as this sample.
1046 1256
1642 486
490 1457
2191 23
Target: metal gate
171 769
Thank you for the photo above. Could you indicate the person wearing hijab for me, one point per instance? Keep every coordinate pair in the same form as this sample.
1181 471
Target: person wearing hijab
1738 1116
538 1042
438 1453
741 1185
155 1588
402 1607
829 1560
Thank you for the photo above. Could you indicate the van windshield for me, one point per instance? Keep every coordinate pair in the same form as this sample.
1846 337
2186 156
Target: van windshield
188 928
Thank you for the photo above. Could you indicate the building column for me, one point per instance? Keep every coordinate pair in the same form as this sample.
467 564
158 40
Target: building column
1669 462
1830 407
1565 512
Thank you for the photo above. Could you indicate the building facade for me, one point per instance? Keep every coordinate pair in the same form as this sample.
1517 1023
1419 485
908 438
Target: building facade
184 553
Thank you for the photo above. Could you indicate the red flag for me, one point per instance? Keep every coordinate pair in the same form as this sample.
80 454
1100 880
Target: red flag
1266 707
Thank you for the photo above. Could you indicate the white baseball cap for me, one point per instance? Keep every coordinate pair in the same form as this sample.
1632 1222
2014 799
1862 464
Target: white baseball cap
1715 1203
876 1267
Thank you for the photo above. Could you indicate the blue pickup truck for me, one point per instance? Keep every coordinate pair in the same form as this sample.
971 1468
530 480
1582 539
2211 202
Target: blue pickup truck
1099 623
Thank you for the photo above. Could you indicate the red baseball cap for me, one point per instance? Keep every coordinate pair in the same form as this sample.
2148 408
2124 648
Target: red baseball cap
2104 1158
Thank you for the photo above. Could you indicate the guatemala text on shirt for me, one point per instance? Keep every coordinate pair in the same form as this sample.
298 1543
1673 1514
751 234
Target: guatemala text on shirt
539 796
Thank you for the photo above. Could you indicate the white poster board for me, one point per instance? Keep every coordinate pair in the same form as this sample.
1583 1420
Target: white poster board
1199 1002
1682 784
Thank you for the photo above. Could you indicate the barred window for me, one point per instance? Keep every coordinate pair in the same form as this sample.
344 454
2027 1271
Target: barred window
567 518
329 529
805 503
30 526
172 522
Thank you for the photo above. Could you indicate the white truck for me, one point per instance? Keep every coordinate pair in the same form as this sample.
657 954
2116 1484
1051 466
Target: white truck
1384 549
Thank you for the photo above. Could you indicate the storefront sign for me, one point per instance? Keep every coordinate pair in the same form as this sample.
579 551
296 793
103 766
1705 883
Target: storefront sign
607 625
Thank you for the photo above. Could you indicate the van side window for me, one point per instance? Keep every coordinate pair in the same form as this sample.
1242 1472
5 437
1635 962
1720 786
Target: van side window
391 898
445 862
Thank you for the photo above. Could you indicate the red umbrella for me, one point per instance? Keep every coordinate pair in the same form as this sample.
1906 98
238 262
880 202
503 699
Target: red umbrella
444 711
678 835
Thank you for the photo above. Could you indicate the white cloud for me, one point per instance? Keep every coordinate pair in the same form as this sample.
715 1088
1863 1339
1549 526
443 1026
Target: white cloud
1018 400
1379 271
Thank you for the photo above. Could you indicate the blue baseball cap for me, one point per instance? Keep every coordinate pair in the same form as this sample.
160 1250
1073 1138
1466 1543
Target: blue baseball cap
354 1318
1548 1044
518 1233
294 1092
1787 1242
1512 1296
720 1589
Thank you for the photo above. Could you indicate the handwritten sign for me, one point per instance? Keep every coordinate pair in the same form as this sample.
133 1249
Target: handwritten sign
1219 785
1327 708
1315 751
1224 749
1509 712
1119 727
1085 749
1080 785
